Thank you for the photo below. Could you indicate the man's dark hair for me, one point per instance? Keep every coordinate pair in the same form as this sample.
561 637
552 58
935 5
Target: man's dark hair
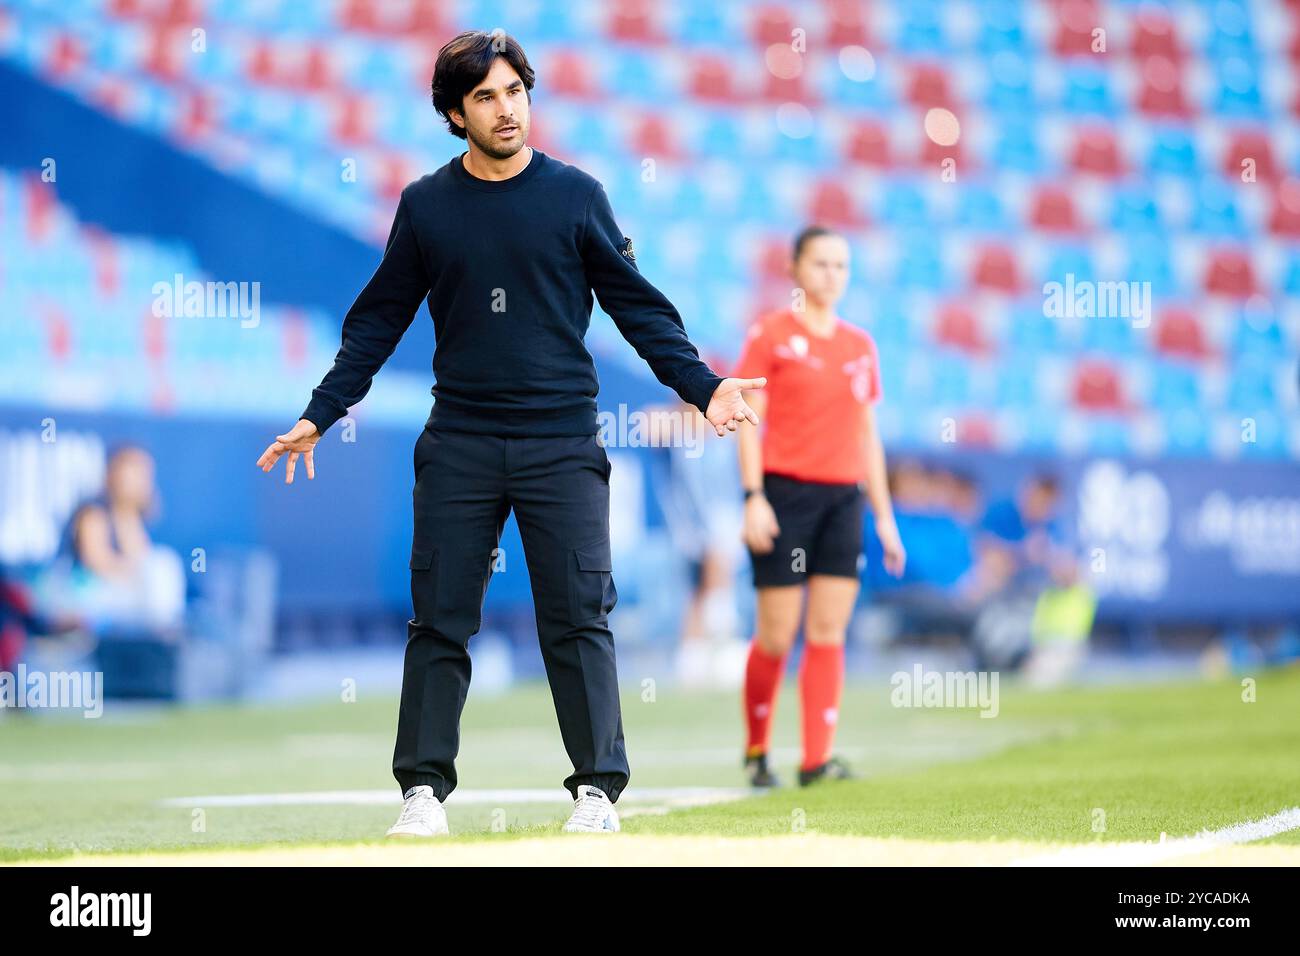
464 61
810 233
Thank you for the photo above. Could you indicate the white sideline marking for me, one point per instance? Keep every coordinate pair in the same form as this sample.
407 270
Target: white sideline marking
1144 854
672 796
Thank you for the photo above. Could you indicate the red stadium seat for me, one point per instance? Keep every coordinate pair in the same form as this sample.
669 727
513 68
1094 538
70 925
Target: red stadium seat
868 145
66 55
1096 151
568 74
165 50
58 332
196 118
1154 34
351 114
317 71
772 25
632 22
976 430
1097 387
1053 211
1230 273
654 137
933 154
780 89
261 64
711 80
846 24
182 12
1076 19
103 251
1161 90
296 338
362 15
155 335
774 260
394 173
996 269
1179 335
928 86
957 327
832 205
1252 144
426 18
1285 217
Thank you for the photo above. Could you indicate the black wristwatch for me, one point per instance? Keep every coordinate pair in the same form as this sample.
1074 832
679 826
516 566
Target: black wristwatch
750 492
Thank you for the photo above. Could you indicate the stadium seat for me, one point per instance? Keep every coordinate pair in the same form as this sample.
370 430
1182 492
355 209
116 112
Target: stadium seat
996 269
1096 152
1097 387
1173 151
1087 92
1154 33
868 145
1160 90
1284 218
957 327
1230 273
1075 22
1053 210
1251 150
1178 334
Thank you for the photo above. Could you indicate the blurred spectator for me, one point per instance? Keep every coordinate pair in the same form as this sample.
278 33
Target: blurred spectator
108 571
687 467
1039 611
935 511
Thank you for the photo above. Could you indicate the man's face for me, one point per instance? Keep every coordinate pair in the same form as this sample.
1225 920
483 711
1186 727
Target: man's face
495 113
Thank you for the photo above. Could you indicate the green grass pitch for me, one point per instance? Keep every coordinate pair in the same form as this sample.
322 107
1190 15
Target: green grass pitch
1172 758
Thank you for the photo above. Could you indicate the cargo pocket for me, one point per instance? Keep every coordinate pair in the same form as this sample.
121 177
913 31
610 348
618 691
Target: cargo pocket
424 583
592 594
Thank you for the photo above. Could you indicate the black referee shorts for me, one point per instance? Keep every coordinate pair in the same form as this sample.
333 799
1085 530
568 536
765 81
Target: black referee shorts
821 531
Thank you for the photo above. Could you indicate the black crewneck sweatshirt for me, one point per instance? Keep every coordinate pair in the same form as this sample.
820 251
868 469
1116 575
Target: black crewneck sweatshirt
508 268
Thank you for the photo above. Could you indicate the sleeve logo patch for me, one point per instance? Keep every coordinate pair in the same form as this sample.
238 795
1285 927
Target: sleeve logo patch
627 248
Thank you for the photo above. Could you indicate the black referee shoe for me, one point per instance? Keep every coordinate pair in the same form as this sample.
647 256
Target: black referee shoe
833 769
759 775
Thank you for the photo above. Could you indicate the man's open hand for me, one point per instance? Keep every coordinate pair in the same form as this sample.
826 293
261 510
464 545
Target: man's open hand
299 440
727 408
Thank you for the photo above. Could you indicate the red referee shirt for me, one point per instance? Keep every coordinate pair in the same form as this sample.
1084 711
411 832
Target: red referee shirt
817 386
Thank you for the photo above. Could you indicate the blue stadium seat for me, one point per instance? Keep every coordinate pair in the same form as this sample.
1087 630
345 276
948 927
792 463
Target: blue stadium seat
1016 148
1134 210
1087 93
1215 211
1173 152
1010 88
979 206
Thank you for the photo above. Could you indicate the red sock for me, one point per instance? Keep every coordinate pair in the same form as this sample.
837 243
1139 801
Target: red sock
762 679
821 678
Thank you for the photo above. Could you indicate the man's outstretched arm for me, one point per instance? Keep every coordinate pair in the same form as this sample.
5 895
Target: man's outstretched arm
372 328
649 321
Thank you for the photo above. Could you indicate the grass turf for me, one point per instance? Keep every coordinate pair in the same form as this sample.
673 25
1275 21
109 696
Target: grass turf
1172 758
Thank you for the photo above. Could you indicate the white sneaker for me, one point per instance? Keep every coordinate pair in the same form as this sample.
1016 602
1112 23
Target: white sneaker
422 815
592 813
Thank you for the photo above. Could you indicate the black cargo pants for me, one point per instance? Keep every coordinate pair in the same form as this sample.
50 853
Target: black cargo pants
465 486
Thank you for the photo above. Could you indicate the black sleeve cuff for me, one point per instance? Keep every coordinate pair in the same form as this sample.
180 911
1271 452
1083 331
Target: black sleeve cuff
322 414
698 388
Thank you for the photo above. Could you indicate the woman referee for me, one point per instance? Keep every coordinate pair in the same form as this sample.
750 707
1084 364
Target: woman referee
804 499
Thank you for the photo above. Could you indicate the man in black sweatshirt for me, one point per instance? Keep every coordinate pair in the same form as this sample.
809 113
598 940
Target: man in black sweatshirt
507 245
